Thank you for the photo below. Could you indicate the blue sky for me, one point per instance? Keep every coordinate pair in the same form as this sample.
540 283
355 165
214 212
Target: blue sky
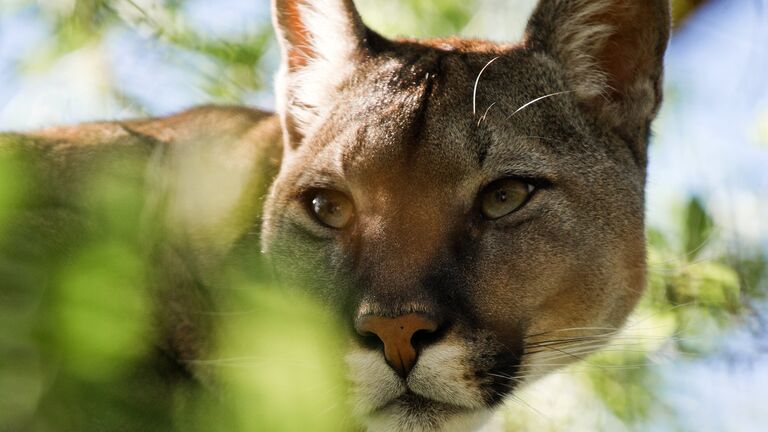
711 138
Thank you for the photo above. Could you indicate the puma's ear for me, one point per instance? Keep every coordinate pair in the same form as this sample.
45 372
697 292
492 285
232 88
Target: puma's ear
320 42
612 52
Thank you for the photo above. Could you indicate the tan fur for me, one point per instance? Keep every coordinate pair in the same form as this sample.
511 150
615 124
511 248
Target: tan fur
202 174
411 132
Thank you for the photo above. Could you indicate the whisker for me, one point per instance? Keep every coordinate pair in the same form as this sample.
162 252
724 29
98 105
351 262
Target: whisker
566 353
520 401
599 366
486 114
589 348
569 340
568 371
591 345
616 341
651 315
504 376
477 83
573 329
537 100
607 339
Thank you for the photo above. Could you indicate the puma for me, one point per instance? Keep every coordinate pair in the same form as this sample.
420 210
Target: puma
470 209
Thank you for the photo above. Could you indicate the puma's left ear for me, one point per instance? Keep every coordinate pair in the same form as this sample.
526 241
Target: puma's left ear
320 42
612 52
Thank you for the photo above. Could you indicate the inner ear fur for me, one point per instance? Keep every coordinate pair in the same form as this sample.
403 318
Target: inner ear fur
321 42
313 29
612 52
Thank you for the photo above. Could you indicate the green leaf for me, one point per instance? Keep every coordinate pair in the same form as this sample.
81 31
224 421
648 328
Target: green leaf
698 228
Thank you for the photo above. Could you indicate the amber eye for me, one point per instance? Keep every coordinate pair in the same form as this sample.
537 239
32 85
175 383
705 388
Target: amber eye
503 197
331 208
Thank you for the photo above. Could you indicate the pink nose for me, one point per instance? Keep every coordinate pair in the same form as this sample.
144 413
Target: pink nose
397 336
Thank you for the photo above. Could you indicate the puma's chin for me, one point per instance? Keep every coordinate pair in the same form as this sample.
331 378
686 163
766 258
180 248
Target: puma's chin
411 412
447 390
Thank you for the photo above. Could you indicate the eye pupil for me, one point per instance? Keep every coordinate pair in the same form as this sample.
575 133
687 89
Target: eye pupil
503 197
332 208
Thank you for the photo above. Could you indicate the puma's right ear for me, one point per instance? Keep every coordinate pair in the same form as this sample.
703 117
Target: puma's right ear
320 42
612 52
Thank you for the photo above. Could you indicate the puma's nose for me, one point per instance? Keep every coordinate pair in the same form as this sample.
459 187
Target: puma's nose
397 336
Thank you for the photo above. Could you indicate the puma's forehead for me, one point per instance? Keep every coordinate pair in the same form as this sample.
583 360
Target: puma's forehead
435 113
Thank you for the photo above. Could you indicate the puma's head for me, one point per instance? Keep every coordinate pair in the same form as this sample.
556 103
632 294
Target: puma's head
469 208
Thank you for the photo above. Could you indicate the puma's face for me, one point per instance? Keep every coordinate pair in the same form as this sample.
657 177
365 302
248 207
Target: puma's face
468 208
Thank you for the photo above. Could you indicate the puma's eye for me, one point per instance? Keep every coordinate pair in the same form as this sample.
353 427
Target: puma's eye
504 196
331 208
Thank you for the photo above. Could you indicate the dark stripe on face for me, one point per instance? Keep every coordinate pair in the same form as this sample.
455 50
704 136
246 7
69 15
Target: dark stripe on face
483 144
481 140
431 75
506 365
397 121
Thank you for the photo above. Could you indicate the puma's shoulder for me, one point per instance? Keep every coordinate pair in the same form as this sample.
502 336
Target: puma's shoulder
241 136
202 121
197 178
209 165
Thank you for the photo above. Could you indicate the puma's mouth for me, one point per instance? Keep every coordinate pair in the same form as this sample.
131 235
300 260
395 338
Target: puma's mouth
412 412
450 381
413 402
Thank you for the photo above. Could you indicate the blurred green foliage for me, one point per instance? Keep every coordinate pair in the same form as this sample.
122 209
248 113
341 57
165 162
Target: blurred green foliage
415 18
694 299
79 338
